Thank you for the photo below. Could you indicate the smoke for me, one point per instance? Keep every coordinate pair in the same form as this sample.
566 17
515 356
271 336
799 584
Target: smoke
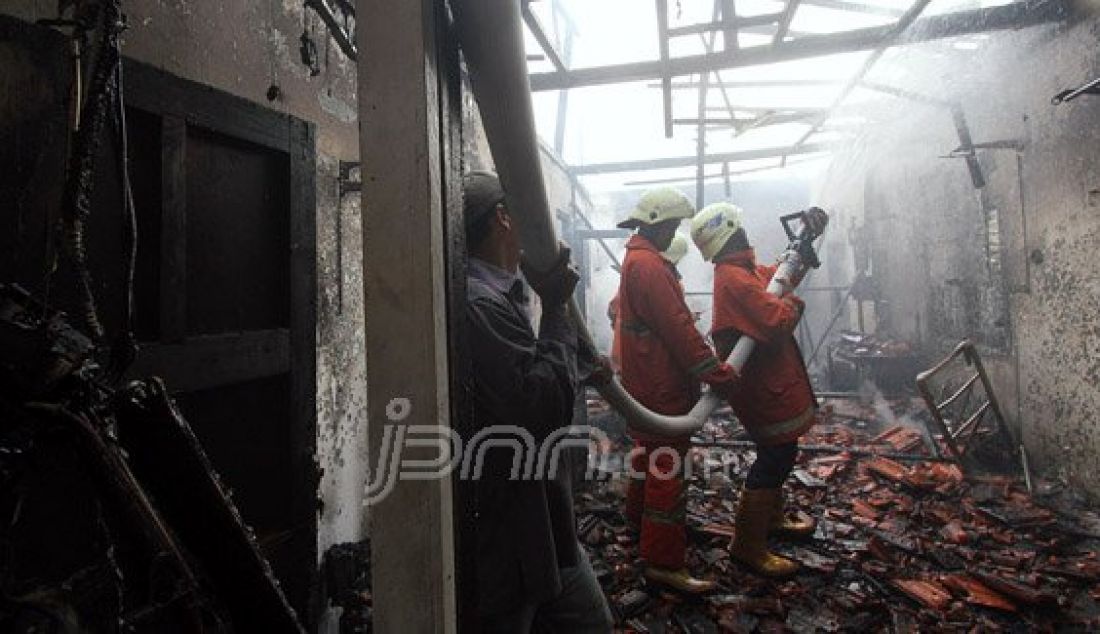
885 412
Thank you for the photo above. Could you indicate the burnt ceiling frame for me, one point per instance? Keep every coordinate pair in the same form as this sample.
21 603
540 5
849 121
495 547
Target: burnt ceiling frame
785 45
559 54
1012 16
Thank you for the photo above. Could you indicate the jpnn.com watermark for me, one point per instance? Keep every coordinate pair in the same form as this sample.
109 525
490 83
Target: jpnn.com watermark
441 452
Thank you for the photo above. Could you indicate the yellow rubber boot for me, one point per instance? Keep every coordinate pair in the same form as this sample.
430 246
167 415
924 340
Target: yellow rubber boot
750 541
789 526
680 580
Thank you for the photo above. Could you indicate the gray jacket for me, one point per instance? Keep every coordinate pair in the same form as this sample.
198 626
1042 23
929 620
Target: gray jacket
525 529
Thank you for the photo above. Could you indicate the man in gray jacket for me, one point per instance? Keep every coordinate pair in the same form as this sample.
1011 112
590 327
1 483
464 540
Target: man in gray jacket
531 571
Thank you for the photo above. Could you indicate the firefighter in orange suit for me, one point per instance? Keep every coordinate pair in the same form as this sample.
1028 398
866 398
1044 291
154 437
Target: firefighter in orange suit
774 401
663 359
674 253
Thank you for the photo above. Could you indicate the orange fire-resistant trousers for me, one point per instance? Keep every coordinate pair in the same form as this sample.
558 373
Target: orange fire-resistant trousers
657 500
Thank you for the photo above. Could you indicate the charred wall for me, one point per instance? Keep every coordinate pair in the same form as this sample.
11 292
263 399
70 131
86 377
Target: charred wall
1005 264
253 51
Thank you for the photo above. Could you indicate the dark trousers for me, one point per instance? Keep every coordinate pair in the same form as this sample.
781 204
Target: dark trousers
580 608
772 466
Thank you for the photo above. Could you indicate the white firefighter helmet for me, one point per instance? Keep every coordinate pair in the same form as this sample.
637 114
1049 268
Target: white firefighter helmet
677 250
713 227
658 205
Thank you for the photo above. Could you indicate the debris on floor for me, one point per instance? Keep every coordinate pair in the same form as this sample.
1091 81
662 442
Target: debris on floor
901 545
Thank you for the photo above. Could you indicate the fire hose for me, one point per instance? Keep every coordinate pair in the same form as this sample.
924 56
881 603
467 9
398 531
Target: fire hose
490 33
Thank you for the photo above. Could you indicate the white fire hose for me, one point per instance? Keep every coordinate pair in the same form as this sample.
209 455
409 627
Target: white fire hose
491 36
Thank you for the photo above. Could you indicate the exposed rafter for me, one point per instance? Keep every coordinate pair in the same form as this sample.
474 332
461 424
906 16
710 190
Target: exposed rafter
785 19
535 26
691 161
929 28
770 109
729 16
725 174
757 83
904 94
563 25
723 25
666 79
856 7
896 30
708 41
740 123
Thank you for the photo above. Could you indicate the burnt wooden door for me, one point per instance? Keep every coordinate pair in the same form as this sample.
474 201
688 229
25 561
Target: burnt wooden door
232 239
225 283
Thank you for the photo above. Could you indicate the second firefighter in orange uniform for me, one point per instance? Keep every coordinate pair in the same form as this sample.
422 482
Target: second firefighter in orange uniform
774 401
663 359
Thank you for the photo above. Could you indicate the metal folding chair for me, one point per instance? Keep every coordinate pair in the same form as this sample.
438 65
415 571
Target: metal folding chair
964 407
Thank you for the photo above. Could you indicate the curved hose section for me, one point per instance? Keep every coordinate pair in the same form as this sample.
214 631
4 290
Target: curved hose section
491 35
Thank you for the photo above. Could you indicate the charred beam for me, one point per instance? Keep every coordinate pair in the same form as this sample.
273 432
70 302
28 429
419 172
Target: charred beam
784 25
723 25
691 161
1012 16
535 26
756 83
897 30
855 7
666 79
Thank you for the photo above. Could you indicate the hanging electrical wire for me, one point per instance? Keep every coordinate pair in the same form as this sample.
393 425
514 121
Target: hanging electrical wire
80 181
124 347
97 26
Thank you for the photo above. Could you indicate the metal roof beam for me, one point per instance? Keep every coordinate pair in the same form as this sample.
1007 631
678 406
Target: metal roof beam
725 25
666 79
856 7
729 17
785 22
1010 16
692 161
725 174
897 29
904 94
758 83
755 122
535 26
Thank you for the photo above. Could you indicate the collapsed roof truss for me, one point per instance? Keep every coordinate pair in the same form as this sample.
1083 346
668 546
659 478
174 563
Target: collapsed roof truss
908 26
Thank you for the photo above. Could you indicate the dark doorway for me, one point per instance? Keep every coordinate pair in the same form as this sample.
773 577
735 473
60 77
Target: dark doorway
225 282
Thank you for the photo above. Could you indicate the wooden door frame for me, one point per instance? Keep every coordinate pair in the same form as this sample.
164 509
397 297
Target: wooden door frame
185 362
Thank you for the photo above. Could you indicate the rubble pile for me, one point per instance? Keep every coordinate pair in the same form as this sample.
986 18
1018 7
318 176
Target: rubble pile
902 544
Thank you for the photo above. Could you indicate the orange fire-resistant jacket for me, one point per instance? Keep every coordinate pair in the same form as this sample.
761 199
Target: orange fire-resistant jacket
662 355
774 399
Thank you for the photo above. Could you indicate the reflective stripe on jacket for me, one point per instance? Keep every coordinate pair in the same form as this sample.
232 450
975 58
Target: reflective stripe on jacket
774 399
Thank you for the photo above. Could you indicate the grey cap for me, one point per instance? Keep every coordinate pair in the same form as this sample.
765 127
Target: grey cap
481 193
